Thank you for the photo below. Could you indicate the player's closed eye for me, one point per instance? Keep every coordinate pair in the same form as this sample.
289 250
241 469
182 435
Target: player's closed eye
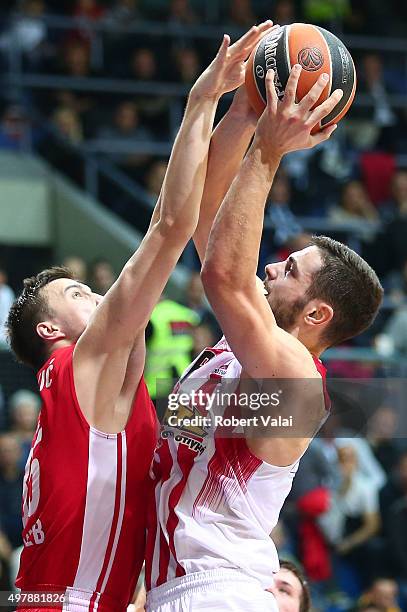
288 268
284 590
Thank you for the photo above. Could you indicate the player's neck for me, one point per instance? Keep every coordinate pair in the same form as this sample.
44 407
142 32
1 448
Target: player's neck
315 348
58 344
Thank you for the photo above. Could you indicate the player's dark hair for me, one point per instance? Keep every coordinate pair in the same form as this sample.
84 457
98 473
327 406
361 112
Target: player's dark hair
305 602
348 284
30 308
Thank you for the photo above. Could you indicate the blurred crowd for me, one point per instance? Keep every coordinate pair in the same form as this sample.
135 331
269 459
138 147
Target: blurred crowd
346 518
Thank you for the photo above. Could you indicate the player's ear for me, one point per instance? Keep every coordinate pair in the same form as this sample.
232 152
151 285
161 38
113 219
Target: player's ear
49 331
318 313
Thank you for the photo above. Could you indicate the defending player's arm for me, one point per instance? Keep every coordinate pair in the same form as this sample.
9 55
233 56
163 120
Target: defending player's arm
228 146
101 355
229 271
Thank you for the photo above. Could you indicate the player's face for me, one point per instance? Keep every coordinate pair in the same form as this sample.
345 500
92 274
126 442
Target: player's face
287 590
286 284
72 304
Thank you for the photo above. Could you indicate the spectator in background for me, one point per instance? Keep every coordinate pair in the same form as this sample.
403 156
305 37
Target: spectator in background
382 594
88 9
353 518
278 212
372 82
382 435
126 130
6 300
311 497
354 204
397 285
391 245
102 276
68 124
67 131
394 490
143 65
284 12
76 59
77 266
154 108
187 65
181 13
11 486
394 334
24 407
13 128
281 226
241 13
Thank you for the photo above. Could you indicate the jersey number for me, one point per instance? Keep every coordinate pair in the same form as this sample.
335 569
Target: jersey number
31 485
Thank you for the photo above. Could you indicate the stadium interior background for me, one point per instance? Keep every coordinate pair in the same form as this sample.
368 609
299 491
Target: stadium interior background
92 94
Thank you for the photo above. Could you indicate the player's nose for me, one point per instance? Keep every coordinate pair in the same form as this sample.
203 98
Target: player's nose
271 271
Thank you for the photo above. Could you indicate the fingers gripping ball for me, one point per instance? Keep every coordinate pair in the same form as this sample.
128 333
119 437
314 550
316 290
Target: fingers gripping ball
317 51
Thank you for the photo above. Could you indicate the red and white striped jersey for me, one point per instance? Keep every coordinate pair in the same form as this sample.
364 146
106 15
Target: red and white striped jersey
215 502
84 497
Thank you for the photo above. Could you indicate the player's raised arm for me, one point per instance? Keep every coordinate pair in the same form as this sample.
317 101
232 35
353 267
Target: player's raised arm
229 143
229 271
102 352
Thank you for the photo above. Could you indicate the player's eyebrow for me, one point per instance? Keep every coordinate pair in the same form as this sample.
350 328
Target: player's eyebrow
78 286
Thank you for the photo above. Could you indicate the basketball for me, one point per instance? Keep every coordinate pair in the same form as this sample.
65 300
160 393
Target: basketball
317 51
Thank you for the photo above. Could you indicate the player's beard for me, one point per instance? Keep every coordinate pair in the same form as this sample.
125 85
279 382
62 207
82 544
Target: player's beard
286 313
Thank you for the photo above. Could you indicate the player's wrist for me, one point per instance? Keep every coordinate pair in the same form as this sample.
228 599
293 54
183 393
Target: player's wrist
199 93
267 155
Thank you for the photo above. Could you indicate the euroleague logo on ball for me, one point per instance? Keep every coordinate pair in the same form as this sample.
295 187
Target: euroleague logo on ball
311 59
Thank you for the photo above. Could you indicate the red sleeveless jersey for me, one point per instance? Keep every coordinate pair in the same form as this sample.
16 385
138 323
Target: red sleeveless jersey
84 497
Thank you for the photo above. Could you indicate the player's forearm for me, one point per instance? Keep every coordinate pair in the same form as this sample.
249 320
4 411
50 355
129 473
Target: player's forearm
181 194
228 146
234 243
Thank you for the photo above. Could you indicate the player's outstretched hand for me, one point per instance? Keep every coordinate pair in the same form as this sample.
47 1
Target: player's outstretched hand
226 72
286 125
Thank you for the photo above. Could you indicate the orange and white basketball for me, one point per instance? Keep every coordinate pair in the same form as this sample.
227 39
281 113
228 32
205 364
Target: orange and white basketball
317 51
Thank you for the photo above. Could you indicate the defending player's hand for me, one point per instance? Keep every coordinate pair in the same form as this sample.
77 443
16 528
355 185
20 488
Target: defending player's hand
242 108
227 71
286 125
